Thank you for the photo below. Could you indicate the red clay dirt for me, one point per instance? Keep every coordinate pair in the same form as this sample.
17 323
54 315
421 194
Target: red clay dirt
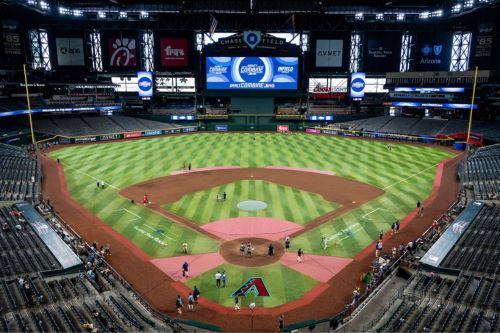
160 291
349 193
231 252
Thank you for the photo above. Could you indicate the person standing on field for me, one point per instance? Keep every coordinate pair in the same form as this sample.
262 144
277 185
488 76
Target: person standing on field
236 301
178 304
185 247
287 243
218 276
190 302
242 249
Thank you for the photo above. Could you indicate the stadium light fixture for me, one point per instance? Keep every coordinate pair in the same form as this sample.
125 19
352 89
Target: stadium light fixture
424 15
101 14
469 3
144 15
31 2
358 16
437 13
379 17
44 5
123 15
400 17
64 11
456 8
77 13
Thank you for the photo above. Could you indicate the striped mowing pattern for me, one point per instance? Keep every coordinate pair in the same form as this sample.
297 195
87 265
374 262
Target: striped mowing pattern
284 203
122 164
284 284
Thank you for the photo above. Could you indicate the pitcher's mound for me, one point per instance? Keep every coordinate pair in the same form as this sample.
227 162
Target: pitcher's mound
252 205
230 251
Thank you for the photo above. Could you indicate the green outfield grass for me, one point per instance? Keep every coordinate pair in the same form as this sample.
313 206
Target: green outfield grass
406 174
284 284
284 203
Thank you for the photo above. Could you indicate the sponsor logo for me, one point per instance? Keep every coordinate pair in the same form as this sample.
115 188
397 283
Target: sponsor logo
329 53
313 130
171 52
438 49
282 128
285 69
189 129
132 135
122 52
145 83
254 285
64 140
217 69
358 85
150 133
109 137
251 38
220 128
174 52
252 69
86 139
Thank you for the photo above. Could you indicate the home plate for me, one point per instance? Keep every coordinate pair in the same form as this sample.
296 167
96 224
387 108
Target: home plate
354 202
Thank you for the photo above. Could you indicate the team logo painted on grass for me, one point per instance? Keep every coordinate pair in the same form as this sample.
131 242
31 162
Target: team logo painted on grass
253 285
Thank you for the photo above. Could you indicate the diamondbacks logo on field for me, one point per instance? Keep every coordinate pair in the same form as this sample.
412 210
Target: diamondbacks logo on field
254 285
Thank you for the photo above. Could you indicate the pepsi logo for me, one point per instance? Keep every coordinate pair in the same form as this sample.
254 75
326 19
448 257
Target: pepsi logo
145 84
358 85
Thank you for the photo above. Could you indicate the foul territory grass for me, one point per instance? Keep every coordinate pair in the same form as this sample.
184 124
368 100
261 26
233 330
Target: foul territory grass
284 203
284 284
406 174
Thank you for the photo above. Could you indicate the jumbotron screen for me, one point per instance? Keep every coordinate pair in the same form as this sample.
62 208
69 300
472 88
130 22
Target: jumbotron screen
247 73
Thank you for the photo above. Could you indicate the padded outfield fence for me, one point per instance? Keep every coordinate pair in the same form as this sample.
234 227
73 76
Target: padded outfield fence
381 135
117 136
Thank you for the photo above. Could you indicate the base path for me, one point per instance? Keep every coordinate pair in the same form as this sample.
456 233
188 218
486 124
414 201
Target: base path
198 264
321 268
258 227
160 290
349 193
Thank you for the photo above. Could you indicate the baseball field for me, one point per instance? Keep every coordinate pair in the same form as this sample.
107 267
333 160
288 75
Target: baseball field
185 208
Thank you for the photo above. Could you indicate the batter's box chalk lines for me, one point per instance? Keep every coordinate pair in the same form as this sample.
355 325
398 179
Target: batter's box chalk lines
137 217
90 176
410 177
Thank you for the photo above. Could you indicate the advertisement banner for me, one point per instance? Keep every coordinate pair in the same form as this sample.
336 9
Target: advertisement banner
484 46
262 73
189 129
329 52
221 128
145 84
132 135
70 52
313 130
122 51
151 133
110 137
85 139
282 128
174 52
433 52
358 85
382 53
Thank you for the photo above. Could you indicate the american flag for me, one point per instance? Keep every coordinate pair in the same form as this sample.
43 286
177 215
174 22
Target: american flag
213 24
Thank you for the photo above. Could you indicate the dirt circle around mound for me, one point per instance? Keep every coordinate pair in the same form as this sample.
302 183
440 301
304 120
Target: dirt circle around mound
230 251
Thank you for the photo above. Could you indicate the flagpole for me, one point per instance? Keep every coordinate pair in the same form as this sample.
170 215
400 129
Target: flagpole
471 110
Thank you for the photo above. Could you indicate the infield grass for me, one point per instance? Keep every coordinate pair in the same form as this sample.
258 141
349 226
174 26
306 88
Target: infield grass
284 203
406 174
284 284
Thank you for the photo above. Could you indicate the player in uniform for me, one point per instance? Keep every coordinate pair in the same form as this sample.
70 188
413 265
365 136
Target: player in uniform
145 200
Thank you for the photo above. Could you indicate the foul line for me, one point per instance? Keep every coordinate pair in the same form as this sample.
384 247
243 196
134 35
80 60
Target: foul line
405 179
373 211
90 176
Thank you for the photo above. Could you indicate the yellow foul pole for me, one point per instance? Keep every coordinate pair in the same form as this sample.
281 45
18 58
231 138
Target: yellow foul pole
29 105
471 109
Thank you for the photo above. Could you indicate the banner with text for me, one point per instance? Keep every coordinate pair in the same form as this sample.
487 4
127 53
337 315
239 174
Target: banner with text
11 50
174 52
382 52
329 52
483 48
433 52
70 52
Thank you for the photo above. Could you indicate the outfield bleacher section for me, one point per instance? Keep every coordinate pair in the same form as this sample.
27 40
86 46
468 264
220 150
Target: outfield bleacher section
481 174
33 300
19 177
95 125
423 126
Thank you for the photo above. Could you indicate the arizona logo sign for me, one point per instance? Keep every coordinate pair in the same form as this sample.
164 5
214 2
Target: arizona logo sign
253 285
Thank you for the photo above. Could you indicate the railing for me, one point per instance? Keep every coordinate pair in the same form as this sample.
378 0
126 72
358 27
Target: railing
173 323
350 310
